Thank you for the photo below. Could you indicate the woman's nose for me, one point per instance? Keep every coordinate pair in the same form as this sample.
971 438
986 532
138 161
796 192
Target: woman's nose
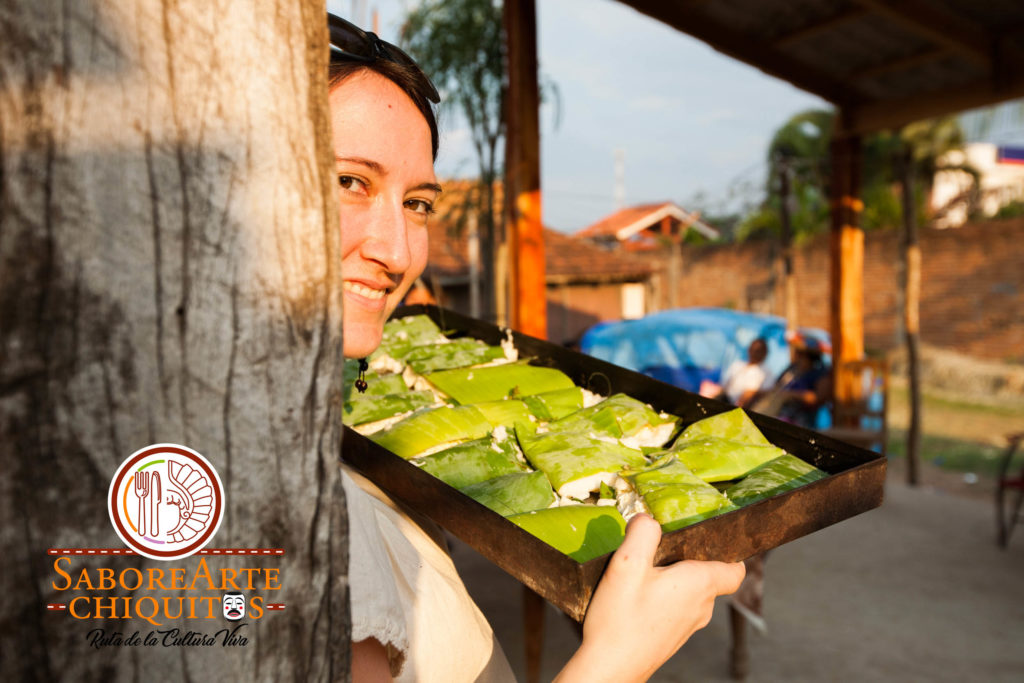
387 240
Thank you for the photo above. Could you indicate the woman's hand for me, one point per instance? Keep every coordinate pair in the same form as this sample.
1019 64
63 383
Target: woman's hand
640 614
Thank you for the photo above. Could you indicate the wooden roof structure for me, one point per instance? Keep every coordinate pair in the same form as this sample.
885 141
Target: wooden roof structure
883 63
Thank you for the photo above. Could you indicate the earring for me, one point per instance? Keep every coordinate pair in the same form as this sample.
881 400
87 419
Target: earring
361 380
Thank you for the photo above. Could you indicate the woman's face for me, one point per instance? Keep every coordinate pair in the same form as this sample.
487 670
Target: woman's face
387 188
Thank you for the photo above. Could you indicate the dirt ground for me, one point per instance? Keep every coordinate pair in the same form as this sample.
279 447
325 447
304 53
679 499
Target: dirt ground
916 590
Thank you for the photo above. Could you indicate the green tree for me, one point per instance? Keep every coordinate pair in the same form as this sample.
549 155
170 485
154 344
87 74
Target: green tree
459 43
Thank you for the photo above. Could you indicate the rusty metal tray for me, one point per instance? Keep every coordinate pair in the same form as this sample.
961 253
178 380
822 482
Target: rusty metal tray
855 484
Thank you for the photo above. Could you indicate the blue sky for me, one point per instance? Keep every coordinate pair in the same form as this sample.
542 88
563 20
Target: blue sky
694 124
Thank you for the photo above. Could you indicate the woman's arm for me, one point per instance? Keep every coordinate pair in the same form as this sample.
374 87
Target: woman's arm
640 614
370 662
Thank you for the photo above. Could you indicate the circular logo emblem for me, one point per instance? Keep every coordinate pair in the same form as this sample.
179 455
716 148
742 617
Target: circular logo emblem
166 501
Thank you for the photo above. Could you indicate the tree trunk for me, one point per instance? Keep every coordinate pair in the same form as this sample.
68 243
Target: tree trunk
169 273
789 305
911 314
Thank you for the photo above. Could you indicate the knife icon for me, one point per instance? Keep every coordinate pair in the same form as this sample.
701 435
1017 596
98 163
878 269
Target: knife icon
154 519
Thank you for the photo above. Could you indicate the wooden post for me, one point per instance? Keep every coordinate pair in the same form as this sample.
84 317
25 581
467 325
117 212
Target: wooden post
169 272
522 171
675 259
786 237
847 258
911 312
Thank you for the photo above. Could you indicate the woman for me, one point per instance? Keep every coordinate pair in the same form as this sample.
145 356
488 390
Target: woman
412 617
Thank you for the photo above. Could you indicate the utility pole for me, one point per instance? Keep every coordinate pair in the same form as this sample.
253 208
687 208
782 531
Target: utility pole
620 179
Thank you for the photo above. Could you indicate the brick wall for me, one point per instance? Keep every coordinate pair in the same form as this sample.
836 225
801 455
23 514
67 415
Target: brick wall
972 289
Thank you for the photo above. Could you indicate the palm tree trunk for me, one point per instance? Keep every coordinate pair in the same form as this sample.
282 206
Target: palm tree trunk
911 313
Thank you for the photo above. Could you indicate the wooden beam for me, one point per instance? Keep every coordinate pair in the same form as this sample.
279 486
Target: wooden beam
522 171
901 63
847 258
881 114
746 48
932 21
815 28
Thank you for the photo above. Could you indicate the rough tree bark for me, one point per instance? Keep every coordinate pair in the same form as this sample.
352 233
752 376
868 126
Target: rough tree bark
169 273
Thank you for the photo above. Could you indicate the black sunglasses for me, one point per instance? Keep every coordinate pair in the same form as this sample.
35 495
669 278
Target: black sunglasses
351 43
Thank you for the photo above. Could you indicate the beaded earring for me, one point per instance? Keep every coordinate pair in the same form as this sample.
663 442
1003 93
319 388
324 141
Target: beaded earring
361 380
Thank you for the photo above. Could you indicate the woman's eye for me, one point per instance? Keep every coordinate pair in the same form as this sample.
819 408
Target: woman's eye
352 184
421 206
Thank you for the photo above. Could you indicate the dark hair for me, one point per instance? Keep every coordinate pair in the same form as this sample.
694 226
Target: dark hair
402 76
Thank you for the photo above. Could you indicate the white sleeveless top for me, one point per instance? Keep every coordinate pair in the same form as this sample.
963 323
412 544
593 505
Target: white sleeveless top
406 593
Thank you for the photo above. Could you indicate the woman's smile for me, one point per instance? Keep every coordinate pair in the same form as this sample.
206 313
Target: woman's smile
386 190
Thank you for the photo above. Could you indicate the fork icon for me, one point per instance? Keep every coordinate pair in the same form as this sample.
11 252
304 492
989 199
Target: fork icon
142 487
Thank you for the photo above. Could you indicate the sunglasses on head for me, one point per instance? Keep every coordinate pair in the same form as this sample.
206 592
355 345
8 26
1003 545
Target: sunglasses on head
351 43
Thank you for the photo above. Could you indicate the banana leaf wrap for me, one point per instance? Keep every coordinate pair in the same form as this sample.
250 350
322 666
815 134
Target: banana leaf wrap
675 496
507 412
403 334
362 409
554 405
714 459
493 383
512 494
577 462
782 474
430 428
457 354
734 425
582 532
474 461
620 416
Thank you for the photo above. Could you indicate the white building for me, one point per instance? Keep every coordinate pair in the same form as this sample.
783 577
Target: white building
1000 184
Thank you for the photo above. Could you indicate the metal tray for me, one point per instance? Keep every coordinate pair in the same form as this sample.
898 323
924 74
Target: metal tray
855 484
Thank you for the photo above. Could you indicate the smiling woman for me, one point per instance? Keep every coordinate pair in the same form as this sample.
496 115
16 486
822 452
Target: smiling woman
386 189
412 618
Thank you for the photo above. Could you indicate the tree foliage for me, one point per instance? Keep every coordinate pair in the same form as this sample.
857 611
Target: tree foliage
459 44
801 148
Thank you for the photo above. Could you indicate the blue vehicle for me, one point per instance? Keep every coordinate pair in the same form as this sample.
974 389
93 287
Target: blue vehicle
686 346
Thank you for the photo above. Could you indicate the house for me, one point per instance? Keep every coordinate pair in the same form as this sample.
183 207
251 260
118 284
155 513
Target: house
586 284
1000 182
656 230
645 227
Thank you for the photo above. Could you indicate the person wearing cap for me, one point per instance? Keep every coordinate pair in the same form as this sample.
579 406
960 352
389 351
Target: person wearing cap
803 387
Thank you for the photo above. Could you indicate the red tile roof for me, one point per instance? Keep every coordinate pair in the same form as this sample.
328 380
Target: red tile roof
566 257
627 222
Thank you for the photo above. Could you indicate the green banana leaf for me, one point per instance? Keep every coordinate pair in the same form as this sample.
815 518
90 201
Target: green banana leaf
369 408
376 384
474 461
675 496
554 405
403 334
507 412
493 383
432 427
511 494
618 415
782 474
734 425
716 459
582 532
577 462
459 353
